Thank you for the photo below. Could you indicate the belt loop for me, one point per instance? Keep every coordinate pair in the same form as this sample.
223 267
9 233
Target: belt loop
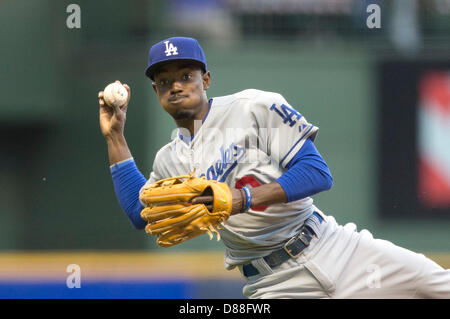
315 223
262 266
321 214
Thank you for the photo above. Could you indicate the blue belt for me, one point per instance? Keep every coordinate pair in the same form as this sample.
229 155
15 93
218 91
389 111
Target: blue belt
292 249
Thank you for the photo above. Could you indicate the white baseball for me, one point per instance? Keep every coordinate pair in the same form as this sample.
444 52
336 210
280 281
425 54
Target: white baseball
115 94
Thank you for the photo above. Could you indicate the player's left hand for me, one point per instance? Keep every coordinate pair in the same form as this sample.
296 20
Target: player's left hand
172 217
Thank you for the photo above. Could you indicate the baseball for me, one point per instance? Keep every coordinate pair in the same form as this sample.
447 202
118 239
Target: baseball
115 94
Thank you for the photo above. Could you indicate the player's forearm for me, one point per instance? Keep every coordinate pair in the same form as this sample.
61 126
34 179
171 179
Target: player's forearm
268 194
128 181
117 149
307 174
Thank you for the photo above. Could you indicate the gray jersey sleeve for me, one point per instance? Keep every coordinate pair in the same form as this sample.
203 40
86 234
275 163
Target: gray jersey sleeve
283 129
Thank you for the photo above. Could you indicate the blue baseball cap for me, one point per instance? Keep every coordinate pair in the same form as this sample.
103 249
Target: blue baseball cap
177 48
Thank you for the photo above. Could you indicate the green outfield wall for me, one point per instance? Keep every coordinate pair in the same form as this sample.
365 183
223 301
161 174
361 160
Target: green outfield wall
57 191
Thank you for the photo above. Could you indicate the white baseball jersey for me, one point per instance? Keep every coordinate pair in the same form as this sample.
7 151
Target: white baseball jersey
246 139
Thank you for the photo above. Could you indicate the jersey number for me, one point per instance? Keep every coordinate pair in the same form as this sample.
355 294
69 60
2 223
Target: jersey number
253 182
287 114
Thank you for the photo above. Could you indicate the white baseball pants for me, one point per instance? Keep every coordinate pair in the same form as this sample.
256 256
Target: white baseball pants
344 263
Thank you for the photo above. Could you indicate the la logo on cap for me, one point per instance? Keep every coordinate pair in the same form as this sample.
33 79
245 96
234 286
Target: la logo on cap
170 49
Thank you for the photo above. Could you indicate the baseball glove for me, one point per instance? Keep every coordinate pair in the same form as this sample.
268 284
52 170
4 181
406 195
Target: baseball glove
174 219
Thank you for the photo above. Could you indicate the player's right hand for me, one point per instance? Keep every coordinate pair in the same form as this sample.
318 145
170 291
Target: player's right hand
236 196
112 119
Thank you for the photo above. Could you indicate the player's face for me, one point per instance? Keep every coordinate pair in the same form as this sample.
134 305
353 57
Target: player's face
181 89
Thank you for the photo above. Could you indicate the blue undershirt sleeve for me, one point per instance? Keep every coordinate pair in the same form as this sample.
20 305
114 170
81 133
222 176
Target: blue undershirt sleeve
128 181
307 174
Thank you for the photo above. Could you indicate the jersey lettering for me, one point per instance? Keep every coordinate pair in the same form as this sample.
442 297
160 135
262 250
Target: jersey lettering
225 164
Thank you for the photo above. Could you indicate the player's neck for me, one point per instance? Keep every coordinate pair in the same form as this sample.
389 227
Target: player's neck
193 124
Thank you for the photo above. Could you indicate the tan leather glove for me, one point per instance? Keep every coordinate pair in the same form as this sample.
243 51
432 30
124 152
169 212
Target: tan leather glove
174 219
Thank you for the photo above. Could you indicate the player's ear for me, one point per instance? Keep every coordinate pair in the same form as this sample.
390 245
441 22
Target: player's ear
206 80
154 87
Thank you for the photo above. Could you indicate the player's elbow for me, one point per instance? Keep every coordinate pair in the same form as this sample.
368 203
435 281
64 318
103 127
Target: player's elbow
323 183
139 226
328 182
138 223
134 215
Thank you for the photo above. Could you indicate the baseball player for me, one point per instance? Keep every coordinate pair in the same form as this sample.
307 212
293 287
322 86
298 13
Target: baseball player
262 148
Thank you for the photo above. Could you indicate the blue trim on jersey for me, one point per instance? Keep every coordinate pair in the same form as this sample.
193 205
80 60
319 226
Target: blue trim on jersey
209 109
307 174
128 181
189 139
282 160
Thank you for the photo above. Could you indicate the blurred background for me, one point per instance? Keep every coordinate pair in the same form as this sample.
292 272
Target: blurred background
376 83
